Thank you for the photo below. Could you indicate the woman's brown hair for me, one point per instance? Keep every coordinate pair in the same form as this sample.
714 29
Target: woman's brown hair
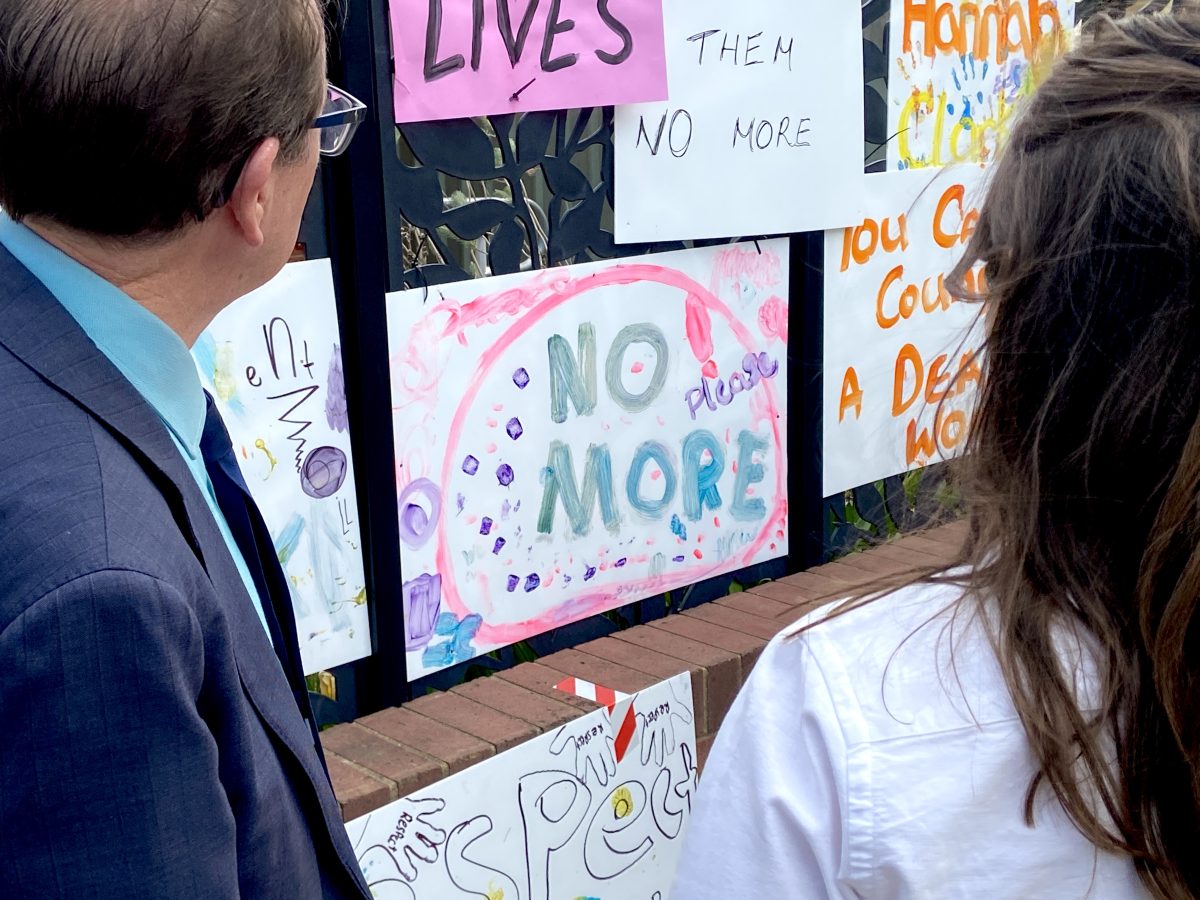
1082 476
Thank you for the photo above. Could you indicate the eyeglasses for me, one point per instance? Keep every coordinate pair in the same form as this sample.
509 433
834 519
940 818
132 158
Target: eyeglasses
338 121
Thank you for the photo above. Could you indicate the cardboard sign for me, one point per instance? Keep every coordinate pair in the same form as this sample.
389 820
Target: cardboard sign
272 362
959 69
901 354
763 131
573 440
566 815
459 58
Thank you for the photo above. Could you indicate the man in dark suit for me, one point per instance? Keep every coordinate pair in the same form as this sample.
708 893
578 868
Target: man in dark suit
155 734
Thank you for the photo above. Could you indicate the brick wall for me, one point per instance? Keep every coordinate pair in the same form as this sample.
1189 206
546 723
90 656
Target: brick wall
394 752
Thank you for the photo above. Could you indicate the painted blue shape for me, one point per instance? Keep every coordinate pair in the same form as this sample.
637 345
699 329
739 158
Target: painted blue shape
743 508
678 528
643 456
446 624
700 479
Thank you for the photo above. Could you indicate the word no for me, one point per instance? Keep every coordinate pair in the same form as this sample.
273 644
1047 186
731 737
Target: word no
755 368
515 40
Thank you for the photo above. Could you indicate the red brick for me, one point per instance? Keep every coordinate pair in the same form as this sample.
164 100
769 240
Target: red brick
661 665
703 748
599 671
358 791
745 646
501 731
409 769
871 564
941 550
453 746
734 620
756 604
906 554
542 679
536 709
812 586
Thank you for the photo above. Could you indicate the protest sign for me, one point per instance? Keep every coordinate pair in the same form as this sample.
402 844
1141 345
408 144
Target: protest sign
959 69
582 811
459 58
572 440
763 131
901 363
272 362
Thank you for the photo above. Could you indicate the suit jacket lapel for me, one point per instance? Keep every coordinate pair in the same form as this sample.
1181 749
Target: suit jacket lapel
36 328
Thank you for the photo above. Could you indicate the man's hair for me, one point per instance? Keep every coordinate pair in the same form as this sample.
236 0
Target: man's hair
130 118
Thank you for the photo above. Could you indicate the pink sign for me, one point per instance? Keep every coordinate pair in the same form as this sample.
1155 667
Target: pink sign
460 58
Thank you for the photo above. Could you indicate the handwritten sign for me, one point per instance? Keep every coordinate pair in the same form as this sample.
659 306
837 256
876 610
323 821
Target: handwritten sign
901 364
565 815
273 364
459 58
577 439
959 69
763 132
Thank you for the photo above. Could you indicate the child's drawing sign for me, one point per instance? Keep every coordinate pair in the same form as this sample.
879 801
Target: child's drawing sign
763 129
459 58
577 439
902 356
959 69
565 815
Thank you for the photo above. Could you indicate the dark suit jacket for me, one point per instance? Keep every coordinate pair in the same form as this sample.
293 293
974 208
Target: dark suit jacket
150 745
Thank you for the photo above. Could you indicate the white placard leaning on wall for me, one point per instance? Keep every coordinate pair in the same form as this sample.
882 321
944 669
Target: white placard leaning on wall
578 812
272 361
901 363
763 132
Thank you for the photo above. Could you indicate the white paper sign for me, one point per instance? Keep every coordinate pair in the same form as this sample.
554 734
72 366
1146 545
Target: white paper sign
959 70
901 372
573 440
273 363
763 133
570 814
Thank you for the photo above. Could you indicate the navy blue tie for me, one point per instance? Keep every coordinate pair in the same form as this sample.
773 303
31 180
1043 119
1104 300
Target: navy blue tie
253 538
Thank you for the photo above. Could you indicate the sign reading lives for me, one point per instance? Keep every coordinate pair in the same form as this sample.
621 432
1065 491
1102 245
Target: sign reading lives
460 58
273 364
959 70
588 810
763 131
575 439
901 369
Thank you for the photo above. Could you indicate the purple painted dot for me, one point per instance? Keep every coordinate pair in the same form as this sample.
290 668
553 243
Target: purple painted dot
515 428
485 527
500 542
470 465
620 562
567 579
590 573
532 583
505 475
521 378
680 558
513 581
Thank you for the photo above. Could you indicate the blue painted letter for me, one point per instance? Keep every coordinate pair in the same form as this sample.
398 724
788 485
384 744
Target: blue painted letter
651 450
570 377
700 480
579 502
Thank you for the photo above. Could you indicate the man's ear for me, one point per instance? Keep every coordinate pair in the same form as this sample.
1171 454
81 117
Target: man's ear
248 204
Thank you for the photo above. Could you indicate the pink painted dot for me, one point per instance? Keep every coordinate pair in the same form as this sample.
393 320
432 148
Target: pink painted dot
696 553
779 534
717 521
735 467
491 448
655 475
749 492
492 423
710 370
662 421
471 520
699 539
637 368
772 546
499 407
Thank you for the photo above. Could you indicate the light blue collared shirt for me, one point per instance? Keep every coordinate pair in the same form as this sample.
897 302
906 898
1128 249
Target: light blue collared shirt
148 353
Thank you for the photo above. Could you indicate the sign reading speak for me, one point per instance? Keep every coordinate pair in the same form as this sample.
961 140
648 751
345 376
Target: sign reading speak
459 58
763 131
576 439
575 813
959 69
901 358
273 364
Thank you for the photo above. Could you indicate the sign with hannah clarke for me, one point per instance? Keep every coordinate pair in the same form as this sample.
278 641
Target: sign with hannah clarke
273 363
959 69
576 439
460 58
901 354
567 814
763 129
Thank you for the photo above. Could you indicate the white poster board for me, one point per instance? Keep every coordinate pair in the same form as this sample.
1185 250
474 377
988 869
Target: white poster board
958 71
272 362
567 815
572 440
763 131
901 372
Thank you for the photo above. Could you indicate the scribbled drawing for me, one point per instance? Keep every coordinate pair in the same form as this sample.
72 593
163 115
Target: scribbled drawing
260 444
422 604
418 523
591 748
336 413
323 472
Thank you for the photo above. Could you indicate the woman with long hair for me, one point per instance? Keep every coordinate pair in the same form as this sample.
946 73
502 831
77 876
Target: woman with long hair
1026 722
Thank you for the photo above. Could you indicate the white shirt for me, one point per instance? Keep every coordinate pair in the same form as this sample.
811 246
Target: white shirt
862 760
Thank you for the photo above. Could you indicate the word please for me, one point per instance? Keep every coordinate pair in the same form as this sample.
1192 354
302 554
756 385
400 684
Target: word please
755 367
